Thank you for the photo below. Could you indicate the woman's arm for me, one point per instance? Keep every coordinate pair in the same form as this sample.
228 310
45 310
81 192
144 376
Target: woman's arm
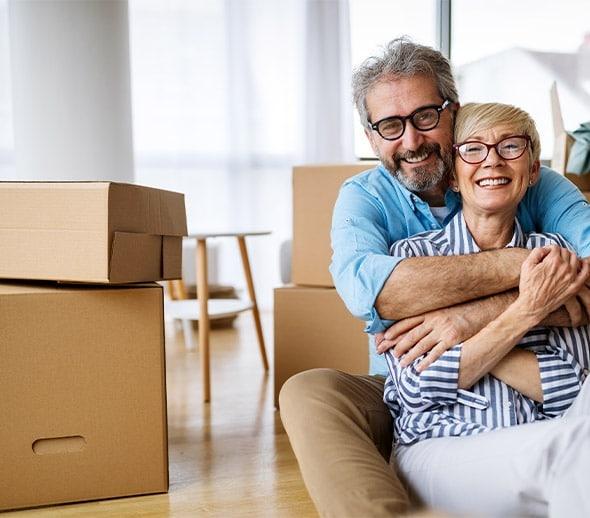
548 277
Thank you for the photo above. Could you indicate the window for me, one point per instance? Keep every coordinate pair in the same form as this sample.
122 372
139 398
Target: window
512 52
375 22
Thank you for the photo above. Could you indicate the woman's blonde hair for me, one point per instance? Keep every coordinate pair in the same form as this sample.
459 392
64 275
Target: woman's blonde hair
473 118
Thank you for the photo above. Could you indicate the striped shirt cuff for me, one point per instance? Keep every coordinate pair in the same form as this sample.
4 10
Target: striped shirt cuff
439 383
560 383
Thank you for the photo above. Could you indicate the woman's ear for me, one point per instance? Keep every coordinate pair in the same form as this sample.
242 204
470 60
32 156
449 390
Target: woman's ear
534 173
453 183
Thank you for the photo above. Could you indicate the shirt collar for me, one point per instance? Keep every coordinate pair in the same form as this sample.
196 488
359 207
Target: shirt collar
452 199
461 242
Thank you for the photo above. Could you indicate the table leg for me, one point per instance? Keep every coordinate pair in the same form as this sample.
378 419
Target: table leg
251 292
203 296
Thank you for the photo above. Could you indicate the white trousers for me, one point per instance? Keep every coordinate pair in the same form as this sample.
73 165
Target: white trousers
536 469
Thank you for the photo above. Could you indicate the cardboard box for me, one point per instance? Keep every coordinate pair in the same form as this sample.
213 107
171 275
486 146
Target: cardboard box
562 145
93 232
83 389
313 328
315 189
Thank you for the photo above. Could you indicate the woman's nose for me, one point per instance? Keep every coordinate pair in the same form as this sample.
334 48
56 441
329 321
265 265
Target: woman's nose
493 159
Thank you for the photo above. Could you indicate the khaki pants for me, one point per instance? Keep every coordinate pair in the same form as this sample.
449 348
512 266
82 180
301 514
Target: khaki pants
342 434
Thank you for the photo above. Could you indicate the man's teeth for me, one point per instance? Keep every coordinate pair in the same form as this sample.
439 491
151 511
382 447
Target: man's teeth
417 158
492 181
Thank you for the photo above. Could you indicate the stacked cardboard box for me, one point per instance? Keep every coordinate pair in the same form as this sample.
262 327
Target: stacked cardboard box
313 328
83 366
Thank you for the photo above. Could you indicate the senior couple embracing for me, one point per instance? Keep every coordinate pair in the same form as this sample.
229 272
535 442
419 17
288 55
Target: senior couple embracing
464 257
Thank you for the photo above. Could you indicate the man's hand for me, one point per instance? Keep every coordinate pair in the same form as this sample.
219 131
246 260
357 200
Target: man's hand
434 332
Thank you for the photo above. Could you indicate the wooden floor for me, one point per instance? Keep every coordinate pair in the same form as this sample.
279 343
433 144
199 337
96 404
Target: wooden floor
227 458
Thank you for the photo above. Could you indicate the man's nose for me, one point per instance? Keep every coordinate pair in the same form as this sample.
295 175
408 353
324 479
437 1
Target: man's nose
412 138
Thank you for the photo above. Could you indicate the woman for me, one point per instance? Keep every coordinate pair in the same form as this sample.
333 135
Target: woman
472 435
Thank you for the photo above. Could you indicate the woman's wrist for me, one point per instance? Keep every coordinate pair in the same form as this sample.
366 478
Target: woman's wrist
524 316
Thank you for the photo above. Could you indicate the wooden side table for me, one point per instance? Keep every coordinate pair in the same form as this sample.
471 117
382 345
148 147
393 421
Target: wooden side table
203 309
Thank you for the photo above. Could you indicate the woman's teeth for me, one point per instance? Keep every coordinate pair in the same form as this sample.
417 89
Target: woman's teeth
492 181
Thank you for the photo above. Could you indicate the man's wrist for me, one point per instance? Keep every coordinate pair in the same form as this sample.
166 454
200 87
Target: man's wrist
512 263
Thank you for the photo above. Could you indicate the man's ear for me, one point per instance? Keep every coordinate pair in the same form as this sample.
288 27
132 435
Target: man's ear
535 171
370 137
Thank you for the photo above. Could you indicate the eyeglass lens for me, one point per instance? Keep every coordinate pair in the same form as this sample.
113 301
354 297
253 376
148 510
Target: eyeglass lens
393 127
509 149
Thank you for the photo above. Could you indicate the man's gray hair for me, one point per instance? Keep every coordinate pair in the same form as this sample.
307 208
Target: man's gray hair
401 58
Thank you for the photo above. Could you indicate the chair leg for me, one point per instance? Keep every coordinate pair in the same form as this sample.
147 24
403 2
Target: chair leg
187 330
252 294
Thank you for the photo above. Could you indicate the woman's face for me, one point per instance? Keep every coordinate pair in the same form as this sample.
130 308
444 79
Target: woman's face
496 184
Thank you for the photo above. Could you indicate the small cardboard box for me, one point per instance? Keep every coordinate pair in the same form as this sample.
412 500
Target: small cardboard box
315 189
313 328
83 403
93 232
562 145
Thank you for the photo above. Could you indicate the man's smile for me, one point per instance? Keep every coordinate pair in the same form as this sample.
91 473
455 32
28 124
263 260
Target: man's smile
418 157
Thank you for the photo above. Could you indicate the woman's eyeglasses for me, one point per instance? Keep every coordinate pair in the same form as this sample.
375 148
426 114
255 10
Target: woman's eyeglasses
509 148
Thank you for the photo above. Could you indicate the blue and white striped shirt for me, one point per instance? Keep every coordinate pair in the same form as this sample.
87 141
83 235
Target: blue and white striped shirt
431 404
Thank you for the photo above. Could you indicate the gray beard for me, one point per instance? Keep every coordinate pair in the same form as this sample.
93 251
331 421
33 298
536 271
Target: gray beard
423 178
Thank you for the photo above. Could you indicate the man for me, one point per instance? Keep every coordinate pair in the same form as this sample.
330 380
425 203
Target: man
338 425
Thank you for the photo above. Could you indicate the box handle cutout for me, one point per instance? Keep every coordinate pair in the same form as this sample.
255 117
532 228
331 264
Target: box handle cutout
71 444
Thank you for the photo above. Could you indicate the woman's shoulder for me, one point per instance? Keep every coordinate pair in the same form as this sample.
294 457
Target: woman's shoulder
540 239
426 243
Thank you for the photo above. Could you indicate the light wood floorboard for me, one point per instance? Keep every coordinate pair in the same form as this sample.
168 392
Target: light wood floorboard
227 458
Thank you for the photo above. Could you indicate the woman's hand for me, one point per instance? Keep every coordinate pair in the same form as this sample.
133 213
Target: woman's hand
548 278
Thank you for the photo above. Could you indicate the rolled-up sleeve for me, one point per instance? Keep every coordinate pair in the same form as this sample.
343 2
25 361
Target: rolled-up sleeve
561 380
436 386
361 263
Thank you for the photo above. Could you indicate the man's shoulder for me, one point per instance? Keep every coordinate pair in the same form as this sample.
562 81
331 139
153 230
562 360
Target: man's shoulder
367 179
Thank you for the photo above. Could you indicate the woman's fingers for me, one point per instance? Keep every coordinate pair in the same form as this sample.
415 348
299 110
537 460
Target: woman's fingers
537 255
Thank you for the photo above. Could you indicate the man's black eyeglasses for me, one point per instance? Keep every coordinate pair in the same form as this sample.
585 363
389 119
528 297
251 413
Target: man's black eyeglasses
425 118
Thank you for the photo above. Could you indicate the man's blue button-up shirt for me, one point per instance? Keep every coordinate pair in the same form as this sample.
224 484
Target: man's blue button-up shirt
374 210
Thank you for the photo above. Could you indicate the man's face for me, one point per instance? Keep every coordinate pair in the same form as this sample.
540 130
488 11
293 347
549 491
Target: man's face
420 160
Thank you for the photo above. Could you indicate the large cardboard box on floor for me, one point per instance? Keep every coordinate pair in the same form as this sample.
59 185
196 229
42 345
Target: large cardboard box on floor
83 394
315 189
313 328
93 232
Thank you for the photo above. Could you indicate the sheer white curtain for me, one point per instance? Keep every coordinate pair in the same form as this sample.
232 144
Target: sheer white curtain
227 97
6 131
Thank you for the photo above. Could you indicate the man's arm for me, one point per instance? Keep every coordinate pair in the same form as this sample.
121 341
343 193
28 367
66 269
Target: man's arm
421 284
520 370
